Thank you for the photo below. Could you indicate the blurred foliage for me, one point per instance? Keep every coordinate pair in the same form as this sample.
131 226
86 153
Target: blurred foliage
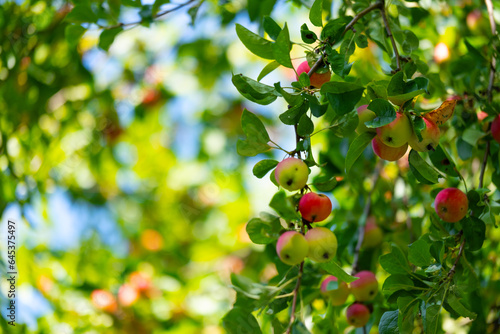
120 125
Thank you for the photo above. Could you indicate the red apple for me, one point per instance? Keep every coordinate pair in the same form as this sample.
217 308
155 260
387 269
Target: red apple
315 207
104 300
373 234
495 128
317 79
358 315
430 137
397 133
386 152
292 248
127 294
337 296
451 205
366 287
441 53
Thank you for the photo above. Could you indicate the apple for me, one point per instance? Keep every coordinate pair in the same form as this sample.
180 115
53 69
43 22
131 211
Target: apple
337 296
365 288
103 300
315 207
386 152
364 115
322 244
397 133
292 248
495 128
292 174
127 294
441 53
317 79
451 205
140 281
430 137
358 315
373 234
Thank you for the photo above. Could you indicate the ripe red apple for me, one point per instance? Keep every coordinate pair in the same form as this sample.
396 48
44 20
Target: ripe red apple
104 300
365 288
364 115
337 296
127 294
451 205
397 133
495 129
373 234
292 174
430 137
140 281
315 207
358 315
317 79
386 152
292 248
322 244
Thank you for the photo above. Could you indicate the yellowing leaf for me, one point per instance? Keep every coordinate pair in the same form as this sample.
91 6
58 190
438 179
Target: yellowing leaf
443 113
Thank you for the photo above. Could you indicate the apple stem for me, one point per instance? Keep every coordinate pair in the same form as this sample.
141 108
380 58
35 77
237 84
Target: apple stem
364 216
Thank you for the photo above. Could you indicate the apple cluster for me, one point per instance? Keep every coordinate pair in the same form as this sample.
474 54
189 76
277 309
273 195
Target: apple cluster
364 290
319 243
392 140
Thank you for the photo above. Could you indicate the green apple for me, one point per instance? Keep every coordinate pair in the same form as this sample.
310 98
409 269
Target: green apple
337 296
397 133
292 174
430 137
322 244
358 315
386 152
364 115
365 288
292 248
373 234
451 205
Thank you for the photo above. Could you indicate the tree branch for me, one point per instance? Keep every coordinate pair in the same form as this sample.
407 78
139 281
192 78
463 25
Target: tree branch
366 212
483 165
389 33
295 295
158 15
453 268
489 6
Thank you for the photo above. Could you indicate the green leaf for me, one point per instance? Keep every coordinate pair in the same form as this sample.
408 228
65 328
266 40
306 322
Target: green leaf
294 114
385 113
282 47
422 170
377 89
307 35
395 262
146 14
471 136
240 321
304 80
334 29
343 96
397 282
324 182
443 162
81 13
361 41
344 126
400 91
283 206
271 27
334 269
458 307
292 99
339 63
107 37
73 33
193 12
305 126
419 253
316 13
299 328
262 167
317 109
261 232
268 69
474 232
254 43
357 147
410 42
254 90
256 133
389 323
432 317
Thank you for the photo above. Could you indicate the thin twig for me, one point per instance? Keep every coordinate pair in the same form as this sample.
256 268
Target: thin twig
366 212
389 33
485 161
453 268
158 15
489 6
295 295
